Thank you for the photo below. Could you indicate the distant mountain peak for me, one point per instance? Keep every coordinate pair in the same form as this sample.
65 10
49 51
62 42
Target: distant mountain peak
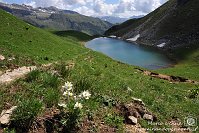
117 20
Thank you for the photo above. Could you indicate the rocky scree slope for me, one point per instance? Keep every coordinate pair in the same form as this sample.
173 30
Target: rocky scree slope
173 25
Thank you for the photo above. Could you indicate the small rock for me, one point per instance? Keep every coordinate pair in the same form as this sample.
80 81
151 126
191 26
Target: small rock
148 117
138 100
133 119
10 59
6 114
2 58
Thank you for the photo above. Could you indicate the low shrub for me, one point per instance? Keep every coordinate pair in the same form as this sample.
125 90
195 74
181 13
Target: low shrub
33 76
82 84
114 120
63 70
50 80
51 97
25 114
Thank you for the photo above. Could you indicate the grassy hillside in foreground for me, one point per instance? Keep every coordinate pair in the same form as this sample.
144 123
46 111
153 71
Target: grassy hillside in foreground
37 95
23 40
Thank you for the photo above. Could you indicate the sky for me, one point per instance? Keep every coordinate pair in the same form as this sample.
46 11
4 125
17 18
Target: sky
119 8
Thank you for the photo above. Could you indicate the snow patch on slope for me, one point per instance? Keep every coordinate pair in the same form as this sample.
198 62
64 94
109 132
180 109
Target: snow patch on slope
161 45
112 36
134 38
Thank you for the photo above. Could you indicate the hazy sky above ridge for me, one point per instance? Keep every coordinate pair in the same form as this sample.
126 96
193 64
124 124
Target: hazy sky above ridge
120 8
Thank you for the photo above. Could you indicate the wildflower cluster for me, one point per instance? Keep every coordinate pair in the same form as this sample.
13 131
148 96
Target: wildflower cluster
70 96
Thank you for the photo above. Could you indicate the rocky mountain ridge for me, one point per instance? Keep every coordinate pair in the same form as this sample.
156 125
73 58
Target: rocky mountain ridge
57 19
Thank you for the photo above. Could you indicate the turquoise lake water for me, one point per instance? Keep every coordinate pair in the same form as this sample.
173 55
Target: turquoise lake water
129 53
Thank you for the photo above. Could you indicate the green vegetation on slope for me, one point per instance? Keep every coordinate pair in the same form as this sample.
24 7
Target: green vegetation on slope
23 40
74 35
82 23
107 80
57 19
89 25
187 63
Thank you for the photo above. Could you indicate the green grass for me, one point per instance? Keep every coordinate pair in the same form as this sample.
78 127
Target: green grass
187 63
106 79
74 35
114 120
26 113
21 40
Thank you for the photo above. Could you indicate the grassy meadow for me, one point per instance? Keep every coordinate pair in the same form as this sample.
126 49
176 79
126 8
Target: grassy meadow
38 94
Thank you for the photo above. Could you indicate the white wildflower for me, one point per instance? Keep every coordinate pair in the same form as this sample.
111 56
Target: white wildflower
86 94
68 93
62 105
68 86
75 97
65 93
80 96
78 105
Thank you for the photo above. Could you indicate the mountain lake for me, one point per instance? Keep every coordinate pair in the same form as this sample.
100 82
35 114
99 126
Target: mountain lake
130 53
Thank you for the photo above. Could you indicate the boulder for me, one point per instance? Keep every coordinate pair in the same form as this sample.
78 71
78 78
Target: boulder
133 120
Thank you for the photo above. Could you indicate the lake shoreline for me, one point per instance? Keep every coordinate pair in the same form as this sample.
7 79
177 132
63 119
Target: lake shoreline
142 56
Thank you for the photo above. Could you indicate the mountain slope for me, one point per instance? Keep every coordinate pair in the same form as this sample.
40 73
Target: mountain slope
175 24
20 39
57 19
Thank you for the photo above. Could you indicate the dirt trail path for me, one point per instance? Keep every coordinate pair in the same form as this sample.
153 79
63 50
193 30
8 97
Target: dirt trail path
11 75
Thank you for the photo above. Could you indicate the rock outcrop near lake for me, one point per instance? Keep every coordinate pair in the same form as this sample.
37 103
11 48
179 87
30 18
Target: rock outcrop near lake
174 24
